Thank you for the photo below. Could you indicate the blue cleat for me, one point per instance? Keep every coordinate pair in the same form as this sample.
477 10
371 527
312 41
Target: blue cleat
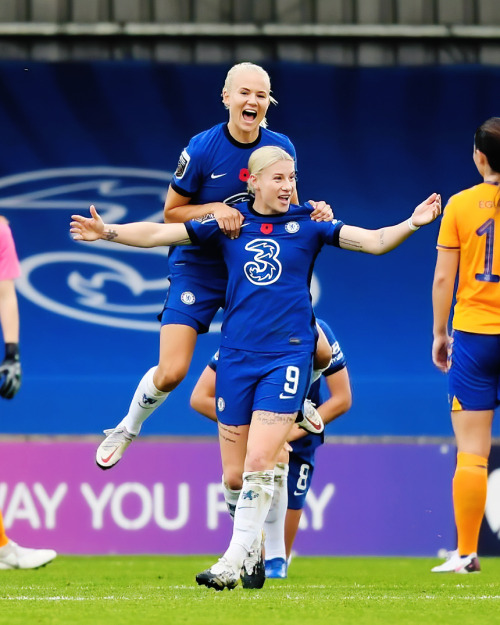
276 568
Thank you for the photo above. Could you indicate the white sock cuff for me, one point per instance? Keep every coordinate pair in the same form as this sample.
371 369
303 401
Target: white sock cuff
232 491
281 470
231 497
149 385
261 478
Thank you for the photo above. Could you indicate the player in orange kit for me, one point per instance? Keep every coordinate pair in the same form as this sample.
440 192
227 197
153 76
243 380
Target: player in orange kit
467 245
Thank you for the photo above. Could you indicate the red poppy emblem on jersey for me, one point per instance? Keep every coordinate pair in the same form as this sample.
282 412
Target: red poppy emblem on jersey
266 228
244 174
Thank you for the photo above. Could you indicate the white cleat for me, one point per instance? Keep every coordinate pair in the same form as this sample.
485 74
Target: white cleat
309 418
219 576
12 556
458 564
113 447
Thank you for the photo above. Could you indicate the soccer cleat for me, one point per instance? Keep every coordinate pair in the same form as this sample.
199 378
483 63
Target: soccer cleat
253 571
309 418
113 447
12 556
458 564
276 568
219 576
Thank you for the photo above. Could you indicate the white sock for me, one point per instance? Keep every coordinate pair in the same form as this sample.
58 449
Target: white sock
274 526
251 511
230 497
147 398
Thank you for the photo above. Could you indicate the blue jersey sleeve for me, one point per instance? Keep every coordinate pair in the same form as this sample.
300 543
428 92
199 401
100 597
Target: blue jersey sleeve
338 361
204 231
188 176
213 361
330 230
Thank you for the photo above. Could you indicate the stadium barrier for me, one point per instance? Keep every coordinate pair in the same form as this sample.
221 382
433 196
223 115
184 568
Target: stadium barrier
166 498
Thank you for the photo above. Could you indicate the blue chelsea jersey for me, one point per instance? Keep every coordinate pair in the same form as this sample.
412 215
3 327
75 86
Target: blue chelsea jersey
268 301
214 168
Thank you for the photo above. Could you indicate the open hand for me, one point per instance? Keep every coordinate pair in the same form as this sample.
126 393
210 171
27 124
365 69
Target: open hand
427 211
87 228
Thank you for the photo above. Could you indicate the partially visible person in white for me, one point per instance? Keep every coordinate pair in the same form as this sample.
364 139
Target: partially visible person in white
12 556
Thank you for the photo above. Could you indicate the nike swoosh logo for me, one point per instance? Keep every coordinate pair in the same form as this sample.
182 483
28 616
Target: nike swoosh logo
316 427
297 494
110 456
282 396
214 176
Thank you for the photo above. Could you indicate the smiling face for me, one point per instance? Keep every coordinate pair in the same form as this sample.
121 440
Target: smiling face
247 100
274 186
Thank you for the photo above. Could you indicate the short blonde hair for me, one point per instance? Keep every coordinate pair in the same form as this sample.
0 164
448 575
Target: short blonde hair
262 158
235 69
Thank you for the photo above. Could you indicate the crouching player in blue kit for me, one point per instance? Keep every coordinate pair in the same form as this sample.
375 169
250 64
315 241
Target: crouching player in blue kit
268 333
293 473
332 396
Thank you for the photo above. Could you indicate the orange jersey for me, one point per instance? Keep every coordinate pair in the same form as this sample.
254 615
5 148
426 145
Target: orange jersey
471 225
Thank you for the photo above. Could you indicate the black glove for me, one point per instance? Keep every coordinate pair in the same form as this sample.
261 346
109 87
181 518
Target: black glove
10 371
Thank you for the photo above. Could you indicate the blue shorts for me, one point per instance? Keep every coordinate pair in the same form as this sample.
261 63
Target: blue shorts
474 374
193 301
300 474
248 381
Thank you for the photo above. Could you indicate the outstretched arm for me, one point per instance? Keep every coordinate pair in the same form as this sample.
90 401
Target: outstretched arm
386 239
138 234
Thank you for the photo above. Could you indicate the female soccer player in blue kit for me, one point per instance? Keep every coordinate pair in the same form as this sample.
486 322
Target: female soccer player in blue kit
293 473
212 174
269 332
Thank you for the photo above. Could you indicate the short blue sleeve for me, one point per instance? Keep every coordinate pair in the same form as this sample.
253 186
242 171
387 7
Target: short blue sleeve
338 361
204 231
187 178
331 232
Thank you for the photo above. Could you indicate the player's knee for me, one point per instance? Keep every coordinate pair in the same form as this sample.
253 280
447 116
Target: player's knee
233 479
257 460
169 377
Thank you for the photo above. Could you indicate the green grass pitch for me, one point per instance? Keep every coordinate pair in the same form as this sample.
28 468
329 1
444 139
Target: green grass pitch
137 590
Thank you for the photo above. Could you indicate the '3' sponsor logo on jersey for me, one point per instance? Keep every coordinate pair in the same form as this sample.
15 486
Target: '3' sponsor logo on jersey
265 268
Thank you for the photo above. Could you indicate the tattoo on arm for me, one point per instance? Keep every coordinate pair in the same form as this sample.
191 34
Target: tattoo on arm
109 235
350 243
